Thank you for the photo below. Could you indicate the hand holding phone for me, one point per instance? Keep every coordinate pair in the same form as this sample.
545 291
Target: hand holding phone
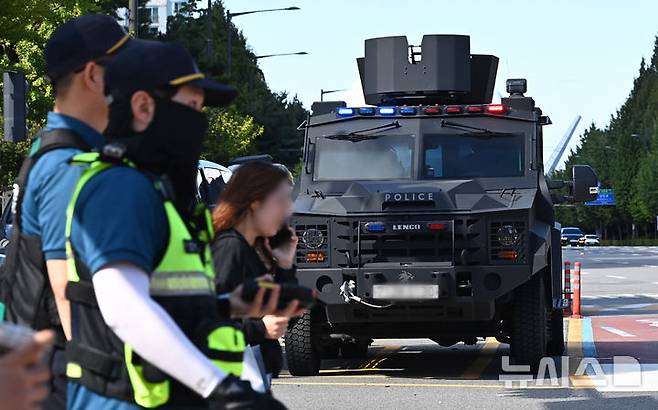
288 293
283 246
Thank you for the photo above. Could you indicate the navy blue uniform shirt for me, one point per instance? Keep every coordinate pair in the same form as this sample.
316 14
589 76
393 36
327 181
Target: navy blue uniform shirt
50 185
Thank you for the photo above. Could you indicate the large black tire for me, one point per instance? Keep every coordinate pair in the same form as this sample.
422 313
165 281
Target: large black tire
530 319
555 345
303 358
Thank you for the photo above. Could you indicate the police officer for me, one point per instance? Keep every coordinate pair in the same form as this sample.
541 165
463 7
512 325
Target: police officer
145 329
33 280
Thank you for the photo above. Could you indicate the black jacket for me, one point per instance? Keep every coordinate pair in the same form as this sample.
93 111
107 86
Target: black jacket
236 262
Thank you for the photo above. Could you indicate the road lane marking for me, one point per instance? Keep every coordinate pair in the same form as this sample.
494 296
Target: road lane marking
486 355
616 277
580 343
340 376
616 331
624 295
574 344
437 385
356 370
636 306
383 354
589 348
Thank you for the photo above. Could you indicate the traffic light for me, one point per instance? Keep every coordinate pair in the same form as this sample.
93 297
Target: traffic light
14 106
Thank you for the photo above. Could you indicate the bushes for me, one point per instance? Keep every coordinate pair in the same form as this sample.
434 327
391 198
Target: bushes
11 158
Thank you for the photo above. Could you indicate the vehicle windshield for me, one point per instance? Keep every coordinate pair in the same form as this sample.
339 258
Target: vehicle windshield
591 237
382 157
572 231
473 155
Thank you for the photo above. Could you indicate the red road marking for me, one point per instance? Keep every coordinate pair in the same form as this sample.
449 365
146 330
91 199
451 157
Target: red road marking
644 346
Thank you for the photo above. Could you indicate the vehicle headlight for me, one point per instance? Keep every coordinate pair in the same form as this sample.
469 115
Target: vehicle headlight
507 235
312 238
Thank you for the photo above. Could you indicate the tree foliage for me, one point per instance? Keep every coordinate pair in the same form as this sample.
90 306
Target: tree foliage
230 135
260 121
625 157
278 113
25 26
11 156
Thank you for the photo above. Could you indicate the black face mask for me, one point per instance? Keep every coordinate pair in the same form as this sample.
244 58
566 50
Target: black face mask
170 146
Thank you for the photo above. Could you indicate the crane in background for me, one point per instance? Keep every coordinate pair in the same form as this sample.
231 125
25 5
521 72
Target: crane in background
554 159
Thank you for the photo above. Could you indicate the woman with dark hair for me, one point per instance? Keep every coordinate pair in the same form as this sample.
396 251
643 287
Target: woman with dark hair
254 207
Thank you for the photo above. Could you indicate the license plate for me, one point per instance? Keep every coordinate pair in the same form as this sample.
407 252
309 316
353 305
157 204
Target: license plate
405 292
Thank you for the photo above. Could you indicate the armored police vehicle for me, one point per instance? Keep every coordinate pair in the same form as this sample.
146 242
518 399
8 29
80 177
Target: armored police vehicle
427 212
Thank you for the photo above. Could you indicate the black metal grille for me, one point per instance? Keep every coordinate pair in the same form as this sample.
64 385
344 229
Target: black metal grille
408 246
497 250
303 250
468 247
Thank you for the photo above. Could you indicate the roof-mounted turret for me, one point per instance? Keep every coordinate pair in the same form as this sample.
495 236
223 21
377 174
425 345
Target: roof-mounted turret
443 71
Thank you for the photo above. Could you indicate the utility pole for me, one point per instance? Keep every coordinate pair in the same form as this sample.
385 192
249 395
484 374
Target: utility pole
133 17
323 92
209 40
229 42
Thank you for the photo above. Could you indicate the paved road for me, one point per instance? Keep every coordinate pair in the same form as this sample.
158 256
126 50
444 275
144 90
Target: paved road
620 305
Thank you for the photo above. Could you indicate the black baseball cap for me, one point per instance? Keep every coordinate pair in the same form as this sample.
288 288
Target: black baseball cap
148 65
81 40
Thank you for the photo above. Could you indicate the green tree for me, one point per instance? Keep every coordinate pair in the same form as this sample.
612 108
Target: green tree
25 26
625 156
11 158
278 113
230 134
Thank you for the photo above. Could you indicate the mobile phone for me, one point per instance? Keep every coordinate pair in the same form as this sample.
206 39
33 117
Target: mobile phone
13 336
282 237
289 292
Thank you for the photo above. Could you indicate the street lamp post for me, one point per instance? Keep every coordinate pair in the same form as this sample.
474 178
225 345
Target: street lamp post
209 34
230 15
323 92
299 53
251 78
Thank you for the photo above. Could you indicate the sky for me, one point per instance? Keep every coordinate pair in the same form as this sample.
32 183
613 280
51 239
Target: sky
579 56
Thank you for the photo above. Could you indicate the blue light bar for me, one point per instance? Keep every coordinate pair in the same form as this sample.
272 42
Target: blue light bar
367 111
408 110
344 112
375 227
385 111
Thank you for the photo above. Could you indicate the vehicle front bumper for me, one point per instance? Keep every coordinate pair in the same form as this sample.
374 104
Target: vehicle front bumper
465 292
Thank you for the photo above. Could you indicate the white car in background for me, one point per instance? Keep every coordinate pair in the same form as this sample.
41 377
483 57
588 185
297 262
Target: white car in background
589 240
212 170
211 179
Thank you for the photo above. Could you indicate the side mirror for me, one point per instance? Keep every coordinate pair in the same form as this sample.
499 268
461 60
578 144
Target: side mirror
585 185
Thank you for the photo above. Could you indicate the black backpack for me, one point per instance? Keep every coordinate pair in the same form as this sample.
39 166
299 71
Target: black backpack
24 286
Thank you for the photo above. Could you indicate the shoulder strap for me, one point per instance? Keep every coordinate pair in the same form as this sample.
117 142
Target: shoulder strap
48 140
85 158
96 163
45 141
